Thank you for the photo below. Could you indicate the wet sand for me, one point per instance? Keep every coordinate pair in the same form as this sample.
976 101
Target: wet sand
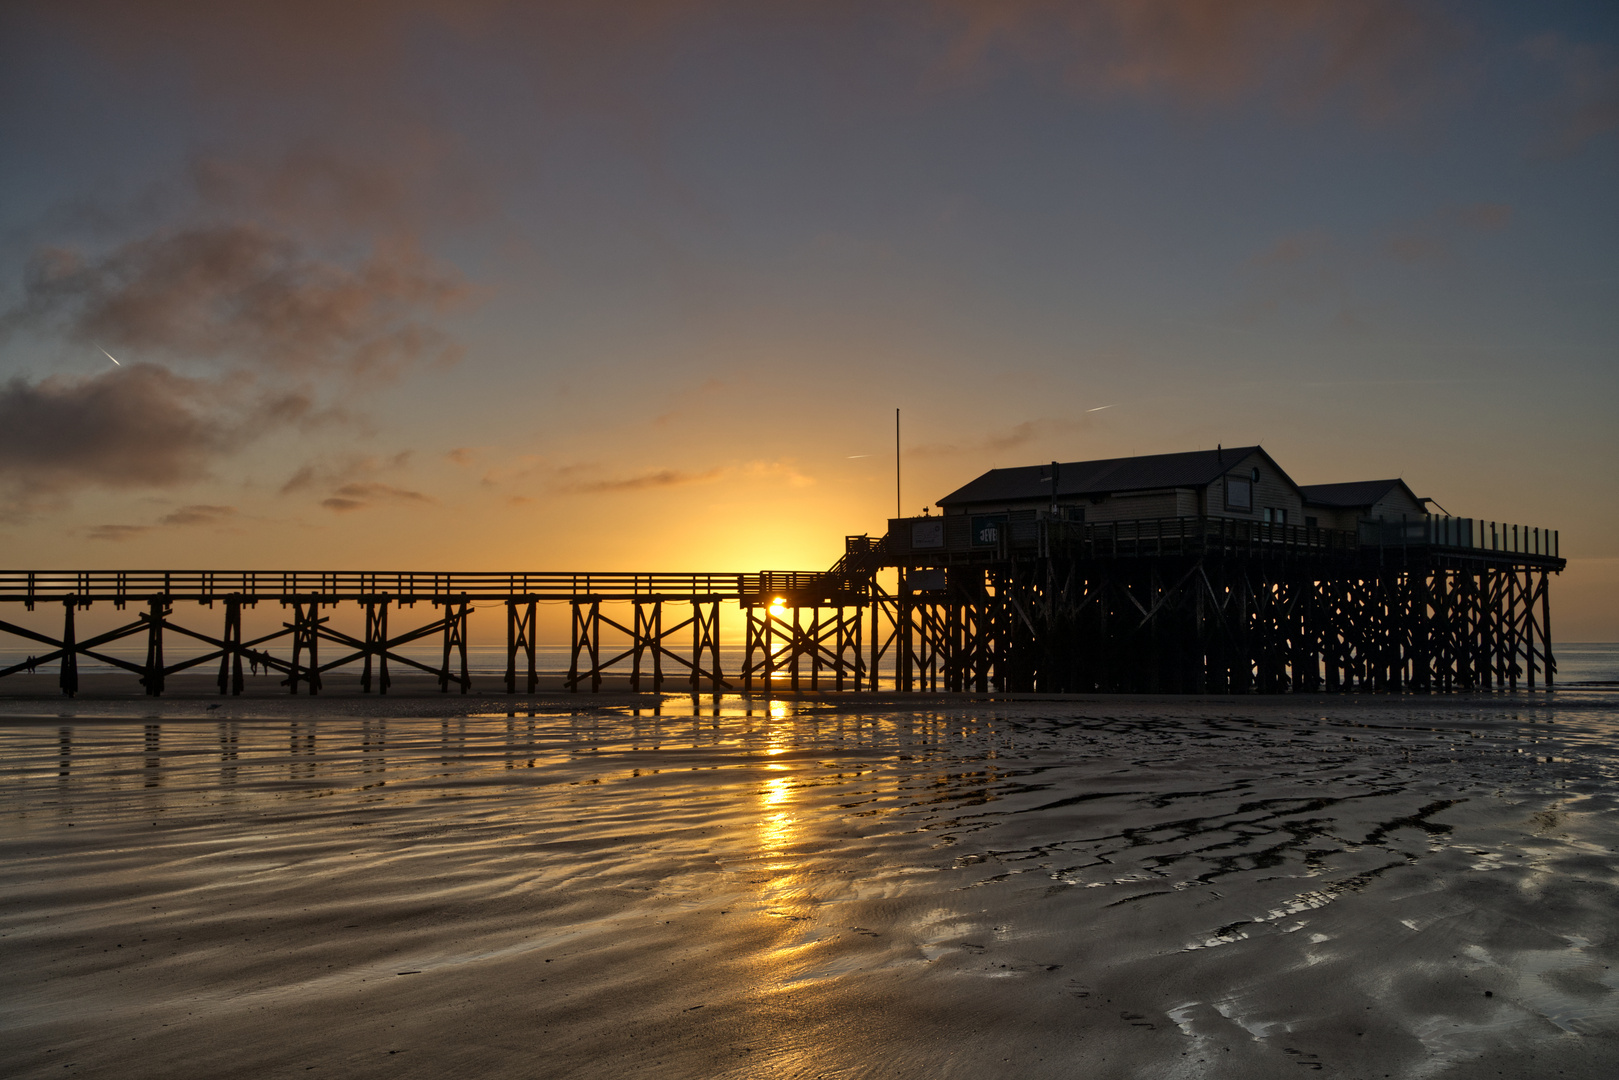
819 887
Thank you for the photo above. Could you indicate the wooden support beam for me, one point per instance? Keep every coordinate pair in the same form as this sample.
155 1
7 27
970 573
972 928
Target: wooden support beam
69 677
455 645
520 638
375 645
152 678
230 655
305 628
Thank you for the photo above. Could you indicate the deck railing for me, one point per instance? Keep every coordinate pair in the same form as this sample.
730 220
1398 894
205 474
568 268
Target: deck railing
1471 534
1026 533
120 585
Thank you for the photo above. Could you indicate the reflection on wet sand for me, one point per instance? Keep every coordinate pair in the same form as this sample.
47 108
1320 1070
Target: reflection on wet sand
722 887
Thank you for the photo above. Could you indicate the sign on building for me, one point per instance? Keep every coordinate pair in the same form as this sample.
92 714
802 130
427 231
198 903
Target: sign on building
928 533
988 529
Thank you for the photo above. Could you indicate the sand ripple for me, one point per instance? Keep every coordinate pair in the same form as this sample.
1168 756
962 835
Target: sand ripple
1031 889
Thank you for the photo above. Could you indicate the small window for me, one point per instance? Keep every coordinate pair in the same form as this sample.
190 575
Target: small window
1253 474
1275 515
1239 494
1310 522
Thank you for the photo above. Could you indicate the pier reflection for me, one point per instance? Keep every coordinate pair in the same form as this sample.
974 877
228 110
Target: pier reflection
229 740
374 749
301 752
154 756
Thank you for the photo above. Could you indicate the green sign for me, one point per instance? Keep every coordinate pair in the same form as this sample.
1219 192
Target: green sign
988 529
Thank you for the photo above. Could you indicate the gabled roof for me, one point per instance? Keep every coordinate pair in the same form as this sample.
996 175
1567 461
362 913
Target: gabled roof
1194 469
1355 494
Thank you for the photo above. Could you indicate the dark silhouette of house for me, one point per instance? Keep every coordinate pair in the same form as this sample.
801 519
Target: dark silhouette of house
1342 506
1240 481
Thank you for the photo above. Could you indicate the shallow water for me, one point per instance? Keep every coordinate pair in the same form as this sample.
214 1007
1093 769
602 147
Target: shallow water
1035 888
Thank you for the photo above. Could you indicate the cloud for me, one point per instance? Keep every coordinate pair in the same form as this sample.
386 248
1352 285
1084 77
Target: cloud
342 470
661 478
198 514
400 189
135 426
1384 54
777 471
239 292
117 534
582 479
1586 102
1315 268
279 273
359 496
461 455
351 485
1434 238
354 59
131 427
1013 438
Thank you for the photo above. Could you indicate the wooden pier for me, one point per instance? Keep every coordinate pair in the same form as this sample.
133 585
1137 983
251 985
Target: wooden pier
1213 605
1187 604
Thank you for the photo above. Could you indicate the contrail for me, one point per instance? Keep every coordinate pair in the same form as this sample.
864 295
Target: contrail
851 457
1099 408
109 356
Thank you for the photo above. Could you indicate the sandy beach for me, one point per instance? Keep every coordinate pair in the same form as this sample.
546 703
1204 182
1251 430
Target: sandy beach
610 885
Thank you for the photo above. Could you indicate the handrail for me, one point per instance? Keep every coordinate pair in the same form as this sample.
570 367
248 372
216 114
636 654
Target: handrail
1472 534
121 585
1042 536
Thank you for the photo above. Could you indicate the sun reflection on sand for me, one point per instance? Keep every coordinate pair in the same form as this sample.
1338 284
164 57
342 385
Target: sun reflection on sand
785 896
776 823
777 817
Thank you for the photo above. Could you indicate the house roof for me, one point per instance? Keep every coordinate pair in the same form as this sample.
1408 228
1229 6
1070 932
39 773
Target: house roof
1194 469
1356 493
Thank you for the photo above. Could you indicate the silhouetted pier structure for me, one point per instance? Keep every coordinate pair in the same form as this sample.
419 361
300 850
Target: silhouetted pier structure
1216 605
669 623
1183 604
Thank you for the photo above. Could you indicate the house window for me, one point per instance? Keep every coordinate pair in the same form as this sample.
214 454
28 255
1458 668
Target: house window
1275 515
1239 494
1310 522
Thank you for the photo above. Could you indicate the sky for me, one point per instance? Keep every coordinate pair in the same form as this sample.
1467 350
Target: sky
632 286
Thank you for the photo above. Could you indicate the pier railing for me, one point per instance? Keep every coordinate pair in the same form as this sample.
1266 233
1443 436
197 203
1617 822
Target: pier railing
402 586
1469 534
1020 534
